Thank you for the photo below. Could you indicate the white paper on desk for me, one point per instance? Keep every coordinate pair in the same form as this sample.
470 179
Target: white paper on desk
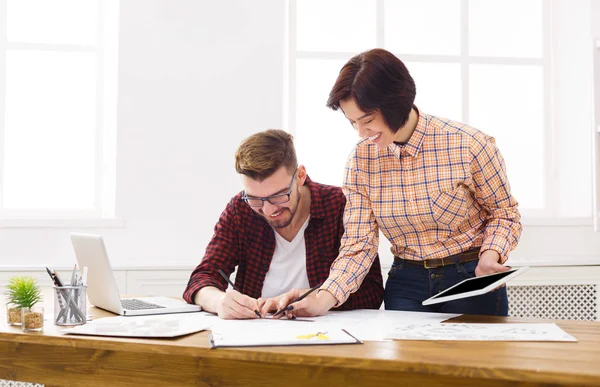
165 325
279 335
371 325
364 324
256 324
480 332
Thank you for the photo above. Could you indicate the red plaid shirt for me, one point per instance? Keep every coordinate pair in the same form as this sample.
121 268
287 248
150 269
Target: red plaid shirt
245 239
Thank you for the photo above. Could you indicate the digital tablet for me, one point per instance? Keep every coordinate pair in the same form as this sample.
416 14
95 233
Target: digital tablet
475 286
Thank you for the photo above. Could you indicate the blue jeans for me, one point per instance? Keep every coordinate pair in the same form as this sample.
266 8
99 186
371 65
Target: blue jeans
408 285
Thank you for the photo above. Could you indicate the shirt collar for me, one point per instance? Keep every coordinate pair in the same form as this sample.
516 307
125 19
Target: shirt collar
317 209
414 143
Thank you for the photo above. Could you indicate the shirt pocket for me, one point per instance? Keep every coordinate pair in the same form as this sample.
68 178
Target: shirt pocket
450 207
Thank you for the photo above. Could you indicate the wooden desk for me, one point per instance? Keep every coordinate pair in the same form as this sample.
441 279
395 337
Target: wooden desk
62 360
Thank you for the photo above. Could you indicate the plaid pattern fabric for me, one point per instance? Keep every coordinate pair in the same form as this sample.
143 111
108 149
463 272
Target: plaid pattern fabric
444 192
245 239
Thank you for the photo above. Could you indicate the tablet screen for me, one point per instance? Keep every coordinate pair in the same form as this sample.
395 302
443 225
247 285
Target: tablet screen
475 283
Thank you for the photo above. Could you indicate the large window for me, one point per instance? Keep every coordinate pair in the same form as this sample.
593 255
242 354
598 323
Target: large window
57 108
518 70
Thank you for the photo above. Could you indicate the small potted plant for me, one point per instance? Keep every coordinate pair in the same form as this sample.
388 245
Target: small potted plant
23 306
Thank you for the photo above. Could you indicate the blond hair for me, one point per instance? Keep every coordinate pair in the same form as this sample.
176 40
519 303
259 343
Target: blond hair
261 154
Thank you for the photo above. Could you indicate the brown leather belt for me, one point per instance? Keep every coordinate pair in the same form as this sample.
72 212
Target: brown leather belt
467 256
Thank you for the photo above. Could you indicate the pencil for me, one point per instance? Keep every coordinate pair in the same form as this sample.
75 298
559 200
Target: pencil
234 288
303 296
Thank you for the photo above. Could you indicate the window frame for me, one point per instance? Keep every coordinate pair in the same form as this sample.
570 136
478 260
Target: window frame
533 217
105 49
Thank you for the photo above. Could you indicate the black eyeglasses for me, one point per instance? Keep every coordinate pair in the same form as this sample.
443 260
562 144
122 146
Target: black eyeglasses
273 199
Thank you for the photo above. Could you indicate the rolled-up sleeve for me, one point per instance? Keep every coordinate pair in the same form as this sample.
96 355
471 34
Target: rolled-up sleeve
492 191
221 253
360 242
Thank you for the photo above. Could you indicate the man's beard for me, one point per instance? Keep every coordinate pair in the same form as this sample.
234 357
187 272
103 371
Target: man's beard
285 222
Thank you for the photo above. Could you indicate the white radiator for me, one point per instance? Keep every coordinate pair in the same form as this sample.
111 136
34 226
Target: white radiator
554 302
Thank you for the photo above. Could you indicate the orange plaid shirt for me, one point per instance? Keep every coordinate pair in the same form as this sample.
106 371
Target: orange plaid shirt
445 191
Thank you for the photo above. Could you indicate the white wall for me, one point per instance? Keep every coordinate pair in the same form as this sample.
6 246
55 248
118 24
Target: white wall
195 78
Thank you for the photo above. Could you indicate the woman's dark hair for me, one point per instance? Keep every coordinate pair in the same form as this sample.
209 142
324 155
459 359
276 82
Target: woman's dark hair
376 80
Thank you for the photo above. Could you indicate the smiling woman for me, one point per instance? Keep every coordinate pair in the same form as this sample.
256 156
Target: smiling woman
410 165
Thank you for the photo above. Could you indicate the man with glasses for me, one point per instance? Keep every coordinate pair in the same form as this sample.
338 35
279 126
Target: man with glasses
282 232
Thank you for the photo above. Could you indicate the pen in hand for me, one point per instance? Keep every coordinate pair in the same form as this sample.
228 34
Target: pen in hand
303 296
234 288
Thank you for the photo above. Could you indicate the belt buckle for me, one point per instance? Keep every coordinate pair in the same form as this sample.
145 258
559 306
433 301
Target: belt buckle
425 264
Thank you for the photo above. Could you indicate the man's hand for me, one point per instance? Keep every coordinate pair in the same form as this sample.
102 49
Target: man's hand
270 305
489 263
316 304
234 305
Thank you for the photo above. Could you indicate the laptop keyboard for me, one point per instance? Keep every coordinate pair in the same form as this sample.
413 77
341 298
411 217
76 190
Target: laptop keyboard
134 304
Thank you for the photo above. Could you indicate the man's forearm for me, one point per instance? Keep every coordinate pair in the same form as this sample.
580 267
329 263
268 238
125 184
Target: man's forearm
208 298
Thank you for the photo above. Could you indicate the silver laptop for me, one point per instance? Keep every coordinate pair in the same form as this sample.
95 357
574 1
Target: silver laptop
102 287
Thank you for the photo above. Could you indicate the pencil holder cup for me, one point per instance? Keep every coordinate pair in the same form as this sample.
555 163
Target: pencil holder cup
70 305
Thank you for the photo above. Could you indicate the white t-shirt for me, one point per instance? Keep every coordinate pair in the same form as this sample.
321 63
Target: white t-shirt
288 266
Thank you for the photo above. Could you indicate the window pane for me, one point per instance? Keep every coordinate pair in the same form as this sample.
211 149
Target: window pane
49 153
324 138
507 103
335 25
56 21
438 88
508 28
423 27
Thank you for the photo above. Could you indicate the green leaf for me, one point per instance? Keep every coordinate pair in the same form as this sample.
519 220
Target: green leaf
23 291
